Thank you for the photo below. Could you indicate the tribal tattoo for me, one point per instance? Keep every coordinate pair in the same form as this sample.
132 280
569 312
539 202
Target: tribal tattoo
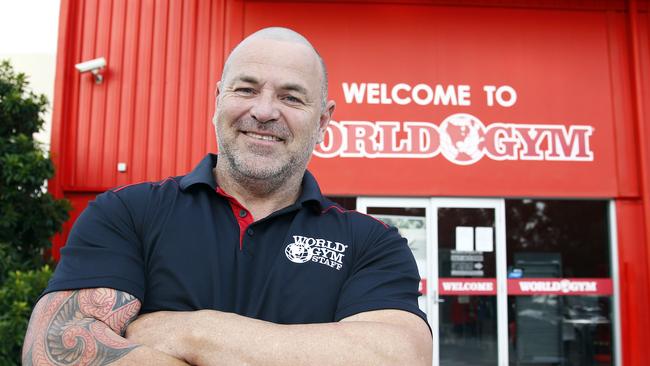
82 327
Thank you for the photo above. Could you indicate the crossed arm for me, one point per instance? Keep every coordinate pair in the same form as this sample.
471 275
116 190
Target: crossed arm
87 327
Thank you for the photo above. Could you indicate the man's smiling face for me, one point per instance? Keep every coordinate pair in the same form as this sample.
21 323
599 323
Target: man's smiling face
270 112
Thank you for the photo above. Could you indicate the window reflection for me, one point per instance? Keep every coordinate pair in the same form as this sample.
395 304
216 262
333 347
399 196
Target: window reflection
560 330
468 331
555 239
576 230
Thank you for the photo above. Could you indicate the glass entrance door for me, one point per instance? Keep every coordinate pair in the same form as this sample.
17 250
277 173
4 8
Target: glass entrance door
470 303
459 245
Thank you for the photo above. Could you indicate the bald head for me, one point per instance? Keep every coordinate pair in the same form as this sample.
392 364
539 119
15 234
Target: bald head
281 35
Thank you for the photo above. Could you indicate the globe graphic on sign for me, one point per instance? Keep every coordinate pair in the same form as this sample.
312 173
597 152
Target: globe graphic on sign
460 138
298 253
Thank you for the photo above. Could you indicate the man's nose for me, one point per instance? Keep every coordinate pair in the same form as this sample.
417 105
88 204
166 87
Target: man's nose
265 108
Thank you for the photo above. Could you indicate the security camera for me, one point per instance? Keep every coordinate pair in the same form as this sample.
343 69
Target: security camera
93 66
90 65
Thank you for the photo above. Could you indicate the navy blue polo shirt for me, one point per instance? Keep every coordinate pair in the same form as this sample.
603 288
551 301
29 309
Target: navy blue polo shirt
184 244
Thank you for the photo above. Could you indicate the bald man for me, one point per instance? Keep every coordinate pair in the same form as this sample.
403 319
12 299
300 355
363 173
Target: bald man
241 261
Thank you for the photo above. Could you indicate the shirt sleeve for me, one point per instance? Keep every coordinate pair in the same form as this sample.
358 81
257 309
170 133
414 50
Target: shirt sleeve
103 250
385 276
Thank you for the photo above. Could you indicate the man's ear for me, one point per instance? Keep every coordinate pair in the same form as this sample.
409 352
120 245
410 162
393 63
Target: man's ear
325 118
216 102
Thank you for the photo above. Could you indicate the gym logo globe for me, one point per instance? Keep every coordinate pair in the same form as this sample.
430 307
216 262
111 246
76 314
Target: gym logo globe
298 252
460 138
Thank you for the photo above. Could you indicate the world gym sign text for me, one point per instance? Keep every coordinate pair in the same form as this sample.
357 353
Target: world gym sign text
461 138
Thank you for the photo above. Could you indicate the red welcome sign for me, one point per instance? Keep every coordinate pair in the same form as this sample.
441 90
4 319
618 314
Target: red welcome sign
527 286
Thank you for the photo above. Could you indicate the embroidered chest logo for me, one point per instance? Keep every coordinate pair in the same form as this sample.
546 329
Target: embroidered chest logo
305 249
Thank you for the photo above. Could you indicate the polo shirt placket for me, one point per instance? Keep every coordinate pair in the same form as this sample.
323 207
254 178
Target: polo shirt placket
242 215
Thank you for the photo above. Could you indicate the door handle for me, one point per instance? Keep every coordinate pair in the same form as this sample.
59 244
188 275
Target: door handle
437 298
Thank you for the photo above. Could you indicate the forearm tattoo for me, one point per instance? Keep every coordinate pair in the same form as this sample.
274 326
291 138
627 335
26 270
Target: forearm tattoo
82 327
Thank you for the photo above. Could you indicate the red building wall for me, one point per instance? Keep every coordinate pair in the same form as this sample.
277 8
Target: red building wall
579 62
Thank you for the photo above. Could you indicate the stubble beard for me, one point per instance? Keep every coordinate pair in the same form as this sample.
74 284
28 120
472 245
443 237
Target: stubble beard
257 177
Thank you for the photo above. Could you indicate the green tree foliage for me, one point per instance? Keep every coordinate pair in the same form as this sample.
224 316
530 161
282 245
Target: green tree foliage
29 216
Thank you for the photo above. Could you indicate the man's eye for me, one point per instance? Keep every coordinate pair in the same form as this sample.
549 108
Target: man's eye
292 99
244 91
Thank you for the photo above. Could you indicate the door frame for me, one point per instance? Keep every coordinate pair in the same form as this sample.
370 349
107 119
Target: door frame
431 206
